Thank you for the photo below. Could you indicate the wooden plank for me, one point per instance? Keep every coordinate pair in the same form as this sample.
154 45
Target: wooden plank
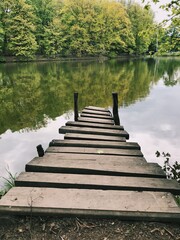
95 120
94 125
75 136
102 151
90 158
95 144
96 116
123 204
97 109
95 131
95 167
87 111
79 181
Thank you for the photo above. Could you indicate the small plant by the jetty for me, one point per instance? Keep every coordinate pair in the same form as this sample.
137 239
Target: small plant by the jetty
8 184
172 170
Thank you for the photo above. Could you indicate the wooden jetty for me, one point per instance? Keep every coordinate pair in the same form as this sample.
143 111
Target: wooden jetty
94 171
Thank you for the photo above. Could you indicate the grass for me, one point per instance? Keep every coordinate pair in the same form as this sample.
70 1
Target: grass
9 182
177 198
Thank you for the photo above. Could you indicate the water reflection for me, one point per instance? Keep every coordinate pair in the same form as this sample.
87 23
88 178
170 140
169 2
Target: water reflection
18 148
154 123
34 95
31 93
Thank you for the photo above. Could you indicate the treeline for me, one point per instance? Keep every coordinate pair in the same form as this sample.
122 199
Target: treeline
74 28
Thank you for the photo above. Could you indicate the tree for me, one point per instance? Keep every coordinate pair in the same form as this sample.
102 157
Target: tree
45 11
94 27
172 7
1 37
1 31
142 22
18 20
76 18
169 41
52 39
117 28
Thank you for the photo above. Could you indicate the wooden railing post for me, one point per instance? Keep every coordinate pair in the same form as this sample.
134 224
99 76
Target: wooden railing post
115 109
40 150
76 106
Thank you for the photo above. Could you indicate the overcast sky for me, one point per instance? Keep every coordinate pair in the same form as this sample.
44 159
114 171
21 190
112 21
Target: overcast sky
160 14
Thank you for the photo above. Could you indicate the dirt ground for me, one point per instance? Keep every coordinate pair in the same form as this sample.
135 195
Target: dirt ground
43 228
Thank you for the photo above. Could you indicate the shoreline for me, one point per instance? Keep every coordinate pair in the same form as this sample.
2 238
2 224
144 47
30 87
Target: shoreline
12 59
41 58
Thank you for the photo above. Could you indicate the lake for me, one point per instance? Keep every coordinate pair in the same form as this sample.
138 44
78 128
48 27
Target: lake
37 98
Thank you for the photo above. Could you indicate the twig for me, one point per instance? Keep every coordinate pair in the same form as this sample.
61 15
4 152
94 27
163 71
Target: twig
157 230
170 233
80 224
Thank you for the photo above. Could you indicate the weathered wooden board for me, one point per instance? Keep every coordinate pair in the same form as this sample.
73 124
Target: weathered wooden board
79 181
75 136
94 125
102 151
87 111
97 166
94 144
95 120
97 109
127 205
101 159
95 131
96 116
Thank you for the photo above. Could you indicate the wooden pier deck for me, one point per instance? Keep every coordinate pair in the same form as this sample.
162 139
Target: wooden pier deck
94 171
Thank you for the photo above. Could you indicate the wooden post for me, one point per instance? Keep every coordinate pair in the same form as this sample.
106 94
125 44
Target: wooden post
40 150
76 106
115 109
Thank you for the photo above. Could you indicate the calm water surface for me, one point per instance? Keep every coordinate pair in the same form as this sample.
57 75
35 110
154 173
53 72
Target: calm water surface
37 98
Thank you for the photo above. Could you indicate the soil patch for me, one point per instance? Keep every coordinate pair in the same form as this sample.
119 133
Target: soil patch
47 228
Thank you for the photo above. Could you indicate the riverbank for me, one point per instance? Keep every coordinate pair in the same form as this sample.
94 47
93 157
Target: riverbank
84 229
67 59
40 58
45 59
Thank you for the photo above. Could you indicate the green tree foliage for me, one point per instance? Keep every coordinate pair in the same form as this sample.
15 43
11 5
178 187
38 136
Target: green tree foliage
72 28
52 39
142 22
1 32
170 40
45 11
18 20
1 38
86 27
172 7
